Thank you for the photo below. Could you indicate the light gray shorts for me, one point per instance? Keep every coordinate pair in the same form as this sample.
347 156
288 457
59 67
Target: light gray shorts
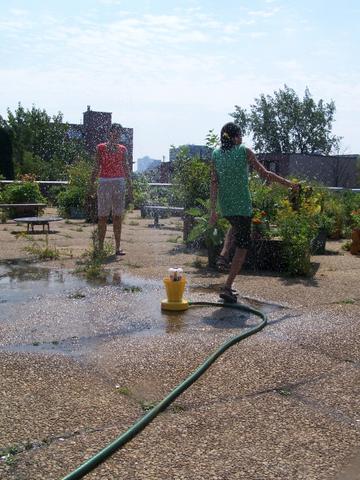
111 196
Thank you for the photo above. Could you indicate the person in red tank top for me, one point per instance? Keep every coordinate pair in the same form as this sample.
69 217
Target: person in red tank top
113 174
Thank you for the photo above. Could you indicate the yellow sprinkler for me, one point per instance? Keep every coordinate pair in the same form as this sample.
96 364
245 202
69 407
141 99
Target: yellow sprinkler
175 286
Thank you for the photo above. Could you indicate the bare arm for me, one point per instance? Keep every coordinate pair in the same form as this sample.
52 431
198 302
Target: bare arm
267 174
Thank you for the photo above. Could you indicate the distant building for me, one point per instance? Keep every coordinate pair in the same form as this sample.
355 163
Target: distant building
330 170
201 151
147 163
95 129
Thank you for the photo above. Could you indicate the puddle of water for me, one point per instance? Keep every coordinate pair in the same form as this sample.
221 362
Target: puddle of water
65 313
18 284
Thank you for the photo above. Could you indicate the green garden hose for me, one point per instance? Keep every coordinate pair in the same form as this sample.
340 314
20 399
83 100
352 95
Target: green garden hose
139 425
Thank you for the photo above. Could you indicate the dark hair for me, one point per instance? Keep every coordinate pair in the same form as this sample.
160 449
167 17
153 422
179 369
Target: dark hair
227 136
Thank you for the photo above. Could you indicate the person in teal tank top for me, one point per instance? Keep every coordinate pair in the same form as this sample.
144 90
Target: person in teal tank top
230 189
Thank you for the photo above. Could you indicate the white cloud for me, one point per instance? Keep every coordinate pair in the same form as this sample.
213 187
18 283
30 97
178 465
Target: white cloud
264 13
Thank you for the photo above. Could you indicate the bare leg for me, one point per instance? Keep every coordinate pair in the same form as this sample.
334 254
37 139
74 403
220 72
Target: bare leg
102 223
229 238
236 264
117 224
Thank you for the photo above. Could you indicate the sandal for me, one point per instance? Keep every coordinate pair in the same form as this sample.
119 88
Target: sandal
228 295
222 264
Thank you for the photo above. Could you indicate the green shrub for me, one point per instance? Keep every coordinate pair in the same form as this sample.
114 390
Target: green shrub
141 190
75 196
69 200
27 191
191 180
211 235
24 192
297 231
334 209
297 228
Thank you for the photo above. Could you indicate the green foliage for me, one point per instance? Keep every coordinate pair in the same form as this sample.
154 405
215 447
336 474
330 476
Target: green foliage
355 218
351 202
211 235
43 253
47 252
283 123
212 139
41 143
335 209
265 197
297 230
297 223
27 191
92 266
141 190
69 200
191 179
76 194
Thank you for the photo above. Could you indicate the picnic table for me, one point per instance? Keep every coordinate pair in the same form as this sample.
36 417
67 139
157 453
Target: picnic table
44 221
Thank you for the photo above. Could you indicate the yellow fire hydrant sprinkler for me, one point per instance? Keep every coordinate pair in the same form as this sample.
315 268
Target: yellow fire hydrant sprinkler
175 286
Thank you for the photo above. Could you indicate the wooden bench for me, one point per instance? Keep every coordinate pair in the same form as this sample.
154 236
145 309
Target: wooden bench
156 210
24 206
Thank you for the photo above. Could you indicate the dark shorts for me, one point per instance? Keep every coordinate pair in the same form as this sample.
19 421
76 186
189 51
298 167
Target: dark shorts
241 230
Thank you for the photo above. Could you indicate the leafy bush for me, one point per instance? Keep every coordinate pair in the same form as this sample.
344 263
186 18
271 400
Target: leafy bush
69 200
76 194
355 218
297 229
191 180
26 191
211 235
334 208
141 192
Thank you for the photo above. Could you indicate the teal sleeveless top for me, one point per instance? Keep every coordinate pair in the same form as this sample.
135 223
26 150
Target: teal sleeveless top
231 167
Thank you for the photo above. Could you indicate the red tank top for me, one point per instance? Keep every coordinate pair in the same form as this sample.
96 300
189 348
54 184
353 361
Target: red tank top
112 164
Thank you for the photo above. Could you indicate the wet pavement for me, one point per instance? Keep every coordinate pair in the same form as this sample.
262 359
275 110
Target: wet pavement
50 301
80 362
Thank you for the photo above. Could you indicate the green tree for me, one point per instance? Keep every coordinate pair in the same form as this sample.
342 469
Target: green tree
41 143
6 161
283 123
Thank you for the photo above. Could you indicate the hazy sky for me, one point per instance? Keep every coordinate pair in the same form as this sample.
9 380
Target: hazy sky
173 70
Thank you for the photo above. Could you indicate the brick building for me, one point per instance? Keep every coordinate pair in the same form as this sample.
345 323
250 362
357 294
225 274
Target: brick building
95 129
